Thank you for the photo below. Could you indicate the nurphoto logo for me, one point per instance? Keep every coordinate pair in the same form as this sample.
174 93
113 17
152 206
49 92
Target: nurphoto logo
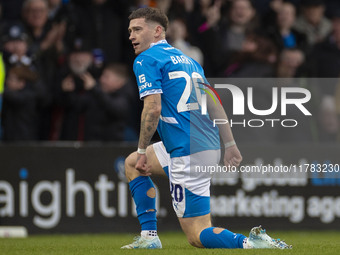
281 99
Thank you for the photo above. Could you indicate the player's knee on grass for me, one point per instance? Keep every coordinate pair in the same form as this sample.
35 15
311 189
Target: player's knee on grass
194 240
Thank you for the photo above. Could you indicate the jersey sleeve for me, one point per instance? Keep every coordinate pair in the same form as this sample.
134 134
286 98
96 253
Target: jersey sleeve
148 76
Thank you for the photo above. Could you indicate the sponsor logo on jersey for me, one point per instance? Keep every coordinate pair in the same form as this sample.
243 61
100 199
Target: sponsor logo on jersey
145 85
142 78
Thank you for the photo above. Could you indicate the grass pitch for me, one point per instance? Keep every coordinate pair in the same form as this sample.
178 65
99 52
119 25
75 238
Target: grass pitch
304 242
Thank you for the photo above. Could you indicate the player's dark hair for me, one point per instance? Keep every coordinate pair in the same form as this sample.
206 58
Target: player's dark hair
151 14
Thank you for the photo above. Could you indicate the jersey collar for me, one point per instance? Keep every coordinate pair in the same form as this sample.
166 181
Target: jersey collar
159 42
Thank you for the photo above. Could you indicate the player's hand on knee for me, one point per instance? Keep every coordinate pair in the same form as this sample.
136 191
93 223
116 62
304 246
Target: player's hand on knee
232 156
142 166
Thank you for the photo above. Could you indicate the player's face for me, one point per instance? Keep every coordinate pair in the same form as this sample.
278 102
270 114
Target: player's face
141 34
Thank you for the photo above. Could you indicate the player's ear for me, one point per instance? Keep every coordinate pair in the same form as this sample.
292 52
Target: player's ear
158 31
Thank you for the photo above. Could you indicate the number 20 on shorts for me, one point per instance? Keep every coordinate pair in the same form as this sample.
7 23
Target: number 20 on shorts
176 191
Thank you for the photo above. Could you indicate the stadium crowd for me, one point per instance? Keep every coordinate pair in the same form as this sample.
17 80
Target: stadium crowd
69 62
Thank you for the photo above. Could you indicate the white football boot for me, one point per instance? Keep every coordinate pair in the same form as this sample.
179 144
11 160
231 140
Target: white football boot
144 243
258 239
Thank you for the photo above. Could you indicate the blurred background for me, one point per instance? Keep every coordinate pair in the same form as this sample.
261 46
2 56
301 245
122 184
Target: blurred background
70 109
48 45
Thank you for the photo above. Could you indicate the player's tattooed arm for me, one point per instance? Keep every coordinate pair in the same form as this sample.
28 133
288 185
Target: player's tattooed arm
149 120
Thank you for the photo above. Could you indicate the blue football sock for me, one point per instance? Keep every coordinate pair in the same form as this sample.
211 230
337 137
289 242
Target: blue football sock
225 239
145 205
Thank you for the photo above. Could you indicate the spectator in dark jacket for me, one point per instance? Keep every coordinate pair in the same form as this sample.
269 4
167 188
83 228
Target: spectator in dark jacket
221 37
100 25
46 38
312 21
103 108
283 32
66 120
15 45
257 58
327 53
324 61
20 122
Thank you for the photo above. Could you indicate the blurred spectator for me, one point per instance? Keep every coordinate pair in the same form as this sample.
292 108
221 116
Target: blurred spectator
312 22
164 5
100 25
20 116
291 65
325 58
270 8
241 17
46 44
16 53
81 58
104 105
54 7
108 111
194 15
196 10
289 62
66 119
63 18
329 124
284 33
256 59
46 40
35 15
15 43
177 34
220 37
